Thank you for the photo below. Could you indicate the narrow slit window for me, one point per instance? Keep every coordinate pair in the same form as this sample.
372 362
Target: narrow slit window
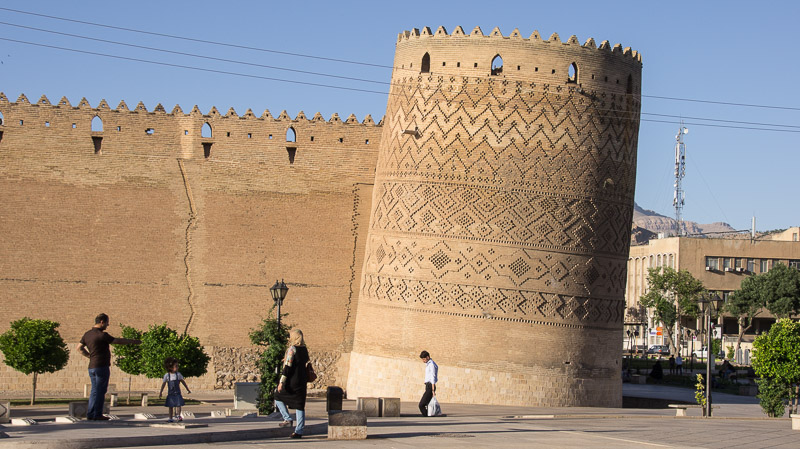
74 125
206 131
119 128
629 87
312 138
150 131
366 142
46 124
249 135
341 139
426 63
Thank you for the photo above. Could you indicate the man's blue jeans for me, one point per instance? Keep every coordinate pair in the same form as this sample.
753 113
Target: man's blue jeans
99 377
301 416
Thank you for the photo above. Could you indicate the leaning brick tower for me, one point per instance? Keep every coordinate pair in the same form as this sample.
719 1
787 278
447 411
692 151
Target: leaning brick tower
500 221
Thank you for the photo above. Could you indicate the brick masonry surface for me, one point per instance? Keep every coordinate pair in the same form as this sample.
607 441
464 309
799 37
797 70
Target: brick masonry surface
485 218
500 220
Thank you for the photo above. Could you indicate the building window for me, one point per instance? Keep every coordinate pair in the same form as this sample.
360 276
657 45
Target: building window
672 261
726 295
794 264
794 234
737 263
426 63
572 73
727 263
764 267
206 132
751 265
497 65
712 263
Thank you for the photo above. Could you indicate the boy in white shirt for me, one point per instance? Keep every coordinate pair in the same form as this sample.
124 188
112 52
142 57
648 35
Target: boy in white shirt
431 377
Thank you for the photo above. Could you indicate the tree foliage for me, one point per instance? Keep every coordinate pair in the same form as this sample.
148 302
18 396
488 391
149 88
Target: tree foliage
273 339
129 357
34 347
776 356
158 343
672 295
745 304
780 290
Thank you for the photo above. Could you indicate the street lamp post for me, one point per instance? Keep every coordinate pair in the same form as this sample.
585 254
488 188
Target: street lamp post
278 292
708 305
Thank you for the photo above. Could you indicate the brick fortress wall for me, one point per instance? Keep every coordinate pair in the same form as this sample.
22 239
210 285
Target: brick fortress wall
150 222
500 221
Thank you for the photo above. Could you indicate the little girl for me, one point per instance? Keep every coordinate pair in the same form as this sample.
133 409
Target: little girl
173 378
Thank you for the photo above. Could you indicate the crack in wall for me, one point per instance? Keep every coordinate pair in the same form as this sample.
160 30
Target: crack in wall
349 304
190 224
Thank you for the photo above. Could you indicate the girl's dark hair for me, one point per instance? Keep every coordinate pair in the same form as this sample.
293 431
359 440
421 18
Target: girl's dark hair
169 362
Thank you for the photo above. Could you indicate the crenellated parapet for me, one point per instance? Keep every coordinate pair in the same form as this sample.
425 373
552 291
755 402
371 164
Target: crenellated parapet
191 134
546 61
177 111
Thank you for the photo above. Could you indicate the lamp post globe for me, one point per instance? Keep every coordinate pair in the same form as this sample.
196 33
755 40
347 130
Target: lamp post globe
278 292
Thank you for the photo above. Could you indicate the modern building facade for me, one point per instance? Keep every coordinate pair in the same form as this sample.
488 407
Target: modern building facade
720 263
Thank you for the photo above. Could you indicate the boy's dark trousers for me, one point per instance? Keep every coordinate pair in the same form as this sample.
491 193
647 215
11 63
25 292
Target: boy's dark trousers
426 399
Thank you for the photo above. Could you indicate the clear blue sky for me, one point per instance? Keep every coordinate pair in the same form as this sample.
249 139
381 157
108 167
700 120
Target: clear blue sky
733 51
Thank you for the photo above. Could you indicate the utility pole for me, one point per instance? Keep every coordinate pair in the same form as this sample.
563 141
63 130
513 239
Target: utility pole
680 172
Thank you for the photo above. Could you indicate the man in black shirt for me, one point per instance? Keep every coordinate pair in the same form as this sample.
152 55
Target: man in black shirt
94 346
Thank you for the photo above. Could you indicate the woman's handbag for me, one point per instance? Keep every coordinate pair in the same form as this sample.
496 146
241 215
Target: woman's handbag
311 376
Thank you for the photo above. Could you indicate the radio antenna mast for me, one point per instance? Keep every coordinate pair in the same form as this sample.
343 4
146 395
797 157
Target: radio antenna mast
680 172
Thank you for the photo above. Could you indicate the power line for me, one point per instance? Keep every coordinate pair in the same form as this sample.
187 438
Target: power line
345 61
202 41
194 55
201 69
329 75
354 89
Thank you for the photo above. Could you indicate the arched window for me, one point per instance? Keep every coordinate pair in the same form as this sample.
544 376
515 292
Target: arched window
1 118
206 131
497 65
291 135
97 124
573 73
426 64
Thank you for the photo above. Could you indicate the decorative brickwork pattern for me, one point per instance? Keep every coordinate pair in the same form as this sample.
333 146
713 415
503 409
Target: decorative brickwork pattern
502 195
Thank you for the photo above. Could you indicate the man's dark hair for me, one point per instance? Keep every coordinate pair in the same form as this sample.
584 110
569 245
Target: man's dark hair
424 354
102 318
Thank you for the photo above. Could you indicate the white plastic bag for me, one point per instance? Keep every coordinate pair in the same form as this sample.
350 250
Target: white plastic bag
433 407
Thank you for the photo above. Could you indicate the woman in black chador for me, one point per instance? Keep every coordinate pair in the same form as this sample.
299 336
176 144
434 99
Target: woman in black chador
292 387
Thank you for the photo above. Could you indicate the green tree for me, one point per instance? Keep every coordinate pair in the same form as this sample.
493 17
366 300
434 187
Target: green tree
776 357
160 342
781 291
273 339
672 294
129 357
745 304
34 347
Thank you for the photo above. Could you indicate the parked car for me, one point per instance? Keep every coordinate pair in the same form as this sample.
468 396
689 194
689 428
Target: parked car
658 349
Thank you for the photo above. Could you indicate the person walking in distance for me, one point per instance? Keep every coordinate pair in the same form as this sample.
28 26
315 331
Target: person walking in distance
292 388
94 345
431 377
679 364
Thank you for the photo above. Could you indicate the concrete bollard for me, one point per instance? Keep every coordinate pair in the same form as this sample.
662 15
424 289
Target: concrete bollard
144 399
370 406
5 412
347 425
795 421
333 399
390 407
114 399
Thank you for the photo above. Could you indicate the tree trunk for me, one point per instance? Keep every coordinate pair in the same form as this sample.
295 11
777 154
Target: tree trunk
668 334
33 393
742 330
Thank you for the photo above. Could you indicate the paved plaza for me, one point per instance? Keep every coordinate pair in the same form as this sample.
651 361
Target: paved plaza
738 422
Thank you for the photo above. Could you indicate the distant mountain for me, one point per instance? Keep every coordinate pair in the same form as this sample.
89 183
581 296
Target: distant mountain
654 222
